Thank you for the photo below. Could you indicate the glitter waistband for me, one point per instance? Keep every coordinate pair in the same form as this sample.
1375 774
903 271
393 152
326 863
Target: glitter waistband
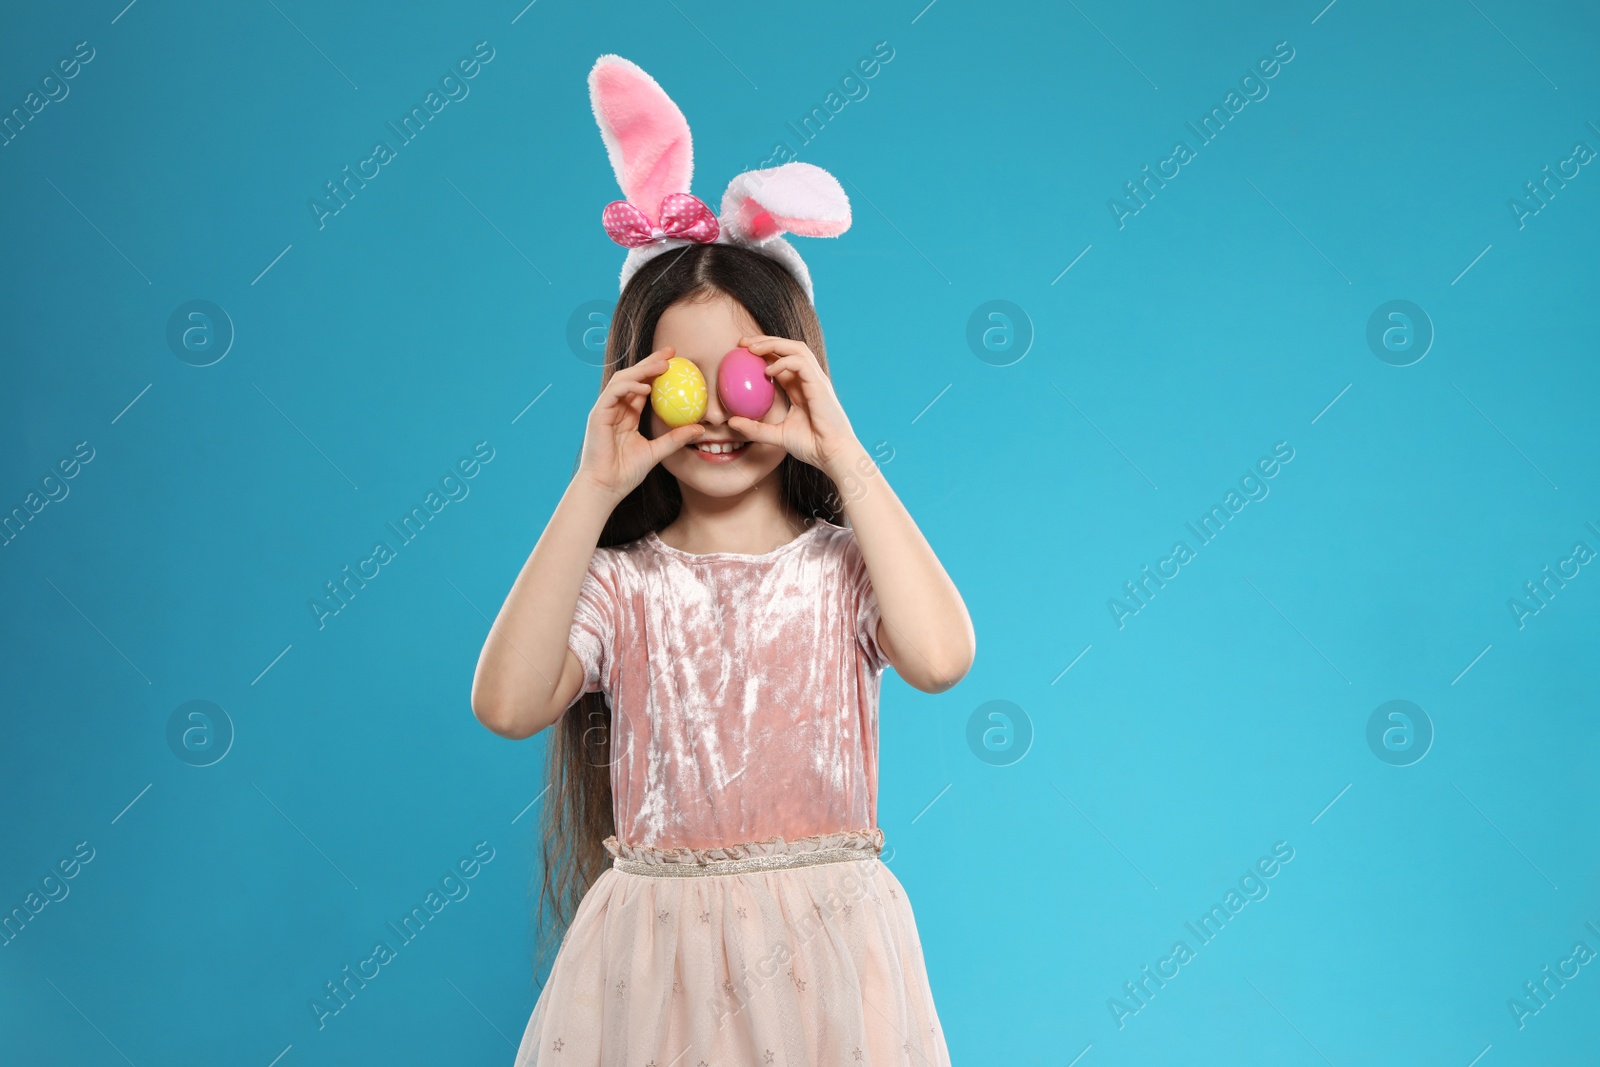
772 854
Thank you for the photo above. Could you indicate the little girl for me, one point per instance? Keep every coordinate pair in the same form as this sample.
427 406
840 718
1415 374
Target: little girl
707 640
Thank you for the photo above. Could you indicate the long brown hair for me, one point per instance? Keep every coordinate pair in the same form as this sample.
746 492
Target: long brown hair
577 816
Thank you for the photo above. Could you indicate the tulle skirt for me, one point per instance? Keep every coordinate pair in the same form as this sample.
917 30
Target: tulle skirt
785 953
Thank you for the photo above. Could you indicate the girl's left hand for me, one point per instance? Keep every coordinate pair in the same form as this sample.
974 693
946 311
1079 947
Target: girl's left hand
815 430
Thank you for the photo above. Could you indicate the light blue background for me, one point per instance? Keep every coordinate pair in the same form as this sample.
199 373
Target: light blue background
1228 315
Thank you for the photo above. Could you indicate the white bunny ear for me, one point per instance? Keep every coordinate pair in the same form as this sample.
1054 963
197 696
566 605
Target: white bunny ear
645 133
796 198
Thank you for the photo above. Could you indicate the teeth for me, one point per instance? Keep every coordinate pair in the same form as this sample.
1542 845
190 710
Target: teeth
720 448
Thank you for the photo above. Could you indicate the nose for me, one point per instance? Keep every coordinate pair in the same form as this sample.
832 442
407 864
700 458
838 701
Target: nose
715 414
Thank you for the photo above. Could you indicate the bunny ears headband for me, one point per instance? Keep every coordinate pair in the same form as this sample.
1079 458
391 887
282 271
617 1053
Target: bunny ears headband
648 141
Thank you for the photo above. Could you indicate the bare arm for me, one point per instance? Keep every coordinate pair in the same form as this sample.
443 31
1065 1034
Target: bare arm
925 630
527 676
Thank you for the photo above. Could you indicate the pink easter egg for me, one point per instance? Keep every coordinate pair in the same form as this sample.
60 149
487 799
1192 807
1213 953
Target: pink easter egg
743 385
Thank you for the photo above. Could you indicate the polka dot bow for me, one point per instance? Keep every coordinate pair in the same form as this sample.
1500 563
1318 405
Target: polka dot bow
684 217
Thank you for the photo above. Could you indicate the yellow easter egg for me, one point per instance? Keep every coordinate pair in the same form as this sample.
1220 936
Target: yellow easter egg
679 394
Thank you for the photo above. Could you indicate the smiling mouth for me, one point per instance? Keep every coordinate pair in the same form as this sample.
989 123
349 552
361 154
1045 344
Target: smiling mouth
724 451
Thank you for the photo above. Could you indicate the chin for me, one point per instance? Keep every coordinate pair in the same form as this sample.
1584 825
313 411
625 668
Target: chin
724 480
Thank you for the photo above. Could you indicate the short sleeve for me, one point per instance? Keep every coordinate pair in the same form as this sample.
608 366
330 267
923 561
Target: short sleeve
593 622
863 602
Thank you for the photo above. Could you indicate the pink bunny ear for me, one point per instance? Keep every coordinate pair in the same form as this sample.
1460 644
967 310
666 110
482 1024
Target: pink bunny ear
796 198
645 134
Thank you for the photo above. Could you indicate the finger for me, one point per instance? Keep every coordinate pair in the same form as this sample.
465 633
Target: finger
803 379
668 443
795 368
636 417
796 364
628 389
627 396
622 386
791 373
650 366
646 369
606 406
783 346
764 433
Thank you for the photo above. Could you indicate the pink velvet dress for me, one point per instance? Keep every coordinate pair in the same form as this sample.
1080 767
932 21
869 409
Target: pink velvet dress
744 699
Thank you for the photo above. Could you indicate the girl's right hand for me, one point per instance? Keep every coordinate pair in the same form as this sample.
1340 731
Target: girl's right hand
616 456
